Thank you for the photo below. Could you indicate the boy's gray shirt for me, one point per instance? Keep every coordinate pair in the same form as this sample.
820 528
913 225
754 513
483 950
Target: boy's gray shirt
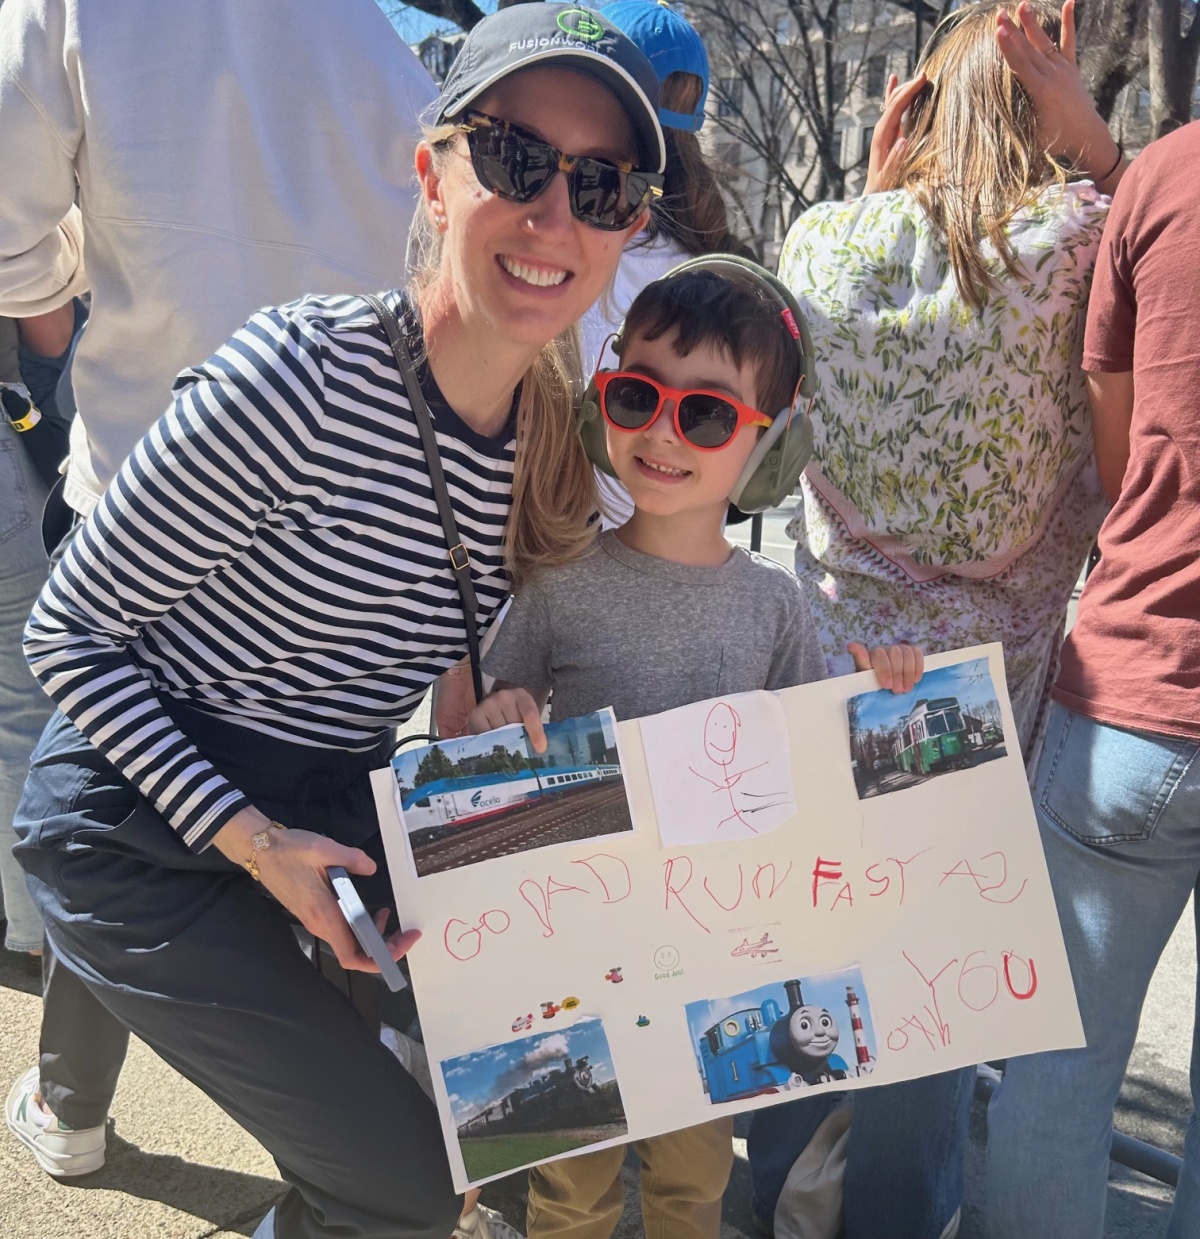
622 629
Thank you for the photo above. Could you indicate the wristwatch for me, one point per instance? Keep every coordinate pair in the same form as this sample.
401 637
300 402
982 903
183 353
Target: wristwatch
259 843
19 408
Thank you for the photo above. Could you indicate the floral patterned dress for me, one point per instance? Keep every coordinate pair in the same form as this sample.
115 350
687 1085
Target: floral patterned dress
952 496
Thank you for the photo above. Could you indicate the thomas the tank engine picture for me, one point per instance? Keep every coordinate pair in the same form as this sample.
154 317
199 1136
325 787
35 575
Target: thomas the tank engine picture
763 1050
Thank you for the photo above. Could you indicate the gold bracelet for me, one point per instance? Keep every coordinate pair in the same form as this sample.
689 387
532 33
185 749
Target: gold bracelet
259 843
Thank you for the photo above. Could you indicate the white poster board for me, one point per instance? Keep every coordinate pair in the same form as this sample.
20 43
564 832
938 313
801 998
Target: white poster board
897 922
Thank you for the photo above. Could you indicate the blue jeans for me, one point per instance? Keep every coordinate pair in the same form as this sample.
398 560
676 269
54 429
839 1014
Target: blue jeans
1119 813
24 708
904 1157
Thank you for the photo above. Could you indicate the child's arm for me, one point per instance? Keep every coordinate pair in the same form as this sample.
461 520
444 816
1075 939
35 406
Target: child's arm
521 658
897 667
508 703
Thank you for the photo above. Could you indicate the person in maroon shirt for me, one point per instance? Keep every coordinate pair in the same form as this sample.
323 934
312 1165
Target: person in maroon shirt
1117 787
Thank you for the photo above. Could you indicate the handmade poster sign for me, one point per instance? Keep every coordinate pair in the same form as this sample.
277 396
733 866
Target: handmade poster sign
639 947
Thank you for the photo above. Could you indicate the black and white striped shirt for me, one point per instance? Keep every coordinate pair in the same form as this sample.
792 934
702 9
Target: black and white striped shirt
271 551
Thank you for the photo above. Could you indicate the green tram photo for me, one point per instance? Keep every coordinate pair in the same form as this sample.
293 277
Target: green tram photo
935 736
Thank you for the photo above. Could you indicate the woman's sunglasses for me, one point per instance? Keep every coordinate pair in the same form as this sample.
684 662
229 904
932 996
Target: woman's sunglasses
707 420
517 166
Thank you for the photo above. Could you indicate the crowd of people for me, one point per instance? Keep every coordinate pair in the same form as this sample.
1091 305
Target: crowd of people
573 380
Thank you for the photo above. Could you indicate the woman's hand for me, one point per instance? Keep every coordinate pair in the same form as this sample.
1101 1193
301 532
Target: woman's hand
293 868
510 705
888 143
897 667
1069 125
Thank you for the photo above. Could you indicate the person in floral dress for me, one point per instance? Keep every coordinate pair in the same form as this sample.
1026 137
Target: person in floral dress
952 496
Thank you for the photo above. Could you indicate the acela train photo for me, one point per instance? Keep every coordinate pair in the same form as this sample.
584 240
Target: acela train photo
470 798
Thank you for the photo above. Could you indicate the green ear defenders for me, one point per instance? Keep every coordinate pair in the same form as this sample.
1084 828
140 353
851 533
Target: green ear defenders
784 449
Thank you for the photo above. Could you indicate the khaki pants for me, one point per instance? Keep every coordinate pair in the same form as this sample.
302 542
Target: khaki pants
683 1179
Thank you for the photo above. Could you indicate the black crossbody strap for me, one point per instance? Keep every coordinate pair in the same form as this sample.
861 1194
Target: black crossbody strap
460 559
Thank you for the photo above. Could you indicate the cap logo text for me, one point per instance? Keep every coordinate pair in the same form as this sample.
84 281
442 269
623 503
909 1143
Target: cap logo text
582 24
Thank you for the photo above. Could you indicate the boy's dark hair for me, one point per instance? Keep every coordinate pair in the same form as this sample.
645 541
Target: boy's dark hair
729 312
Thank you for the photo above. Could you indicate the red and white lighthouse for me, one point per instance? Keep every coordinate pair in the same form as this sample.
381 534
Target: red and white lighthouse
861 1051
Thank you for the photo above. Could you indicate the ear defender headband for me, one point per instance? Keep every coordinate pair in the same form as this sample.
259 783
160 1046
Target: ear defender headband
786 445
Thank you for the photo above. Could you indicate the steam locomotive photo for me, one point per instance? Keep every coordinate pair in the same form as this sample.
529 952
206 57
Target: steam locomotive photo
565 1096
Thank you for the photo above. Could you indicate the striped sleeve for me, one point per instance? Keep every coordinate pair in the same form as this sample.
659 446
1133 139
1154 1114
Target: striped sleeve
186 503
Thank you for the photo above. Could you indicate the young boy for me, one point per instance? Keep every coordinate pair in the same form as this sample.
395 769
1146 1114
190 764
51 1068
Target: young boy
662 612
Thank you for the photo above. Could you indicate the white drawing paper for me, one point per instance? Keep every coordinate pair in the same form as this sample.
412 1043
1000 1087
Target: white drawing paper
719 769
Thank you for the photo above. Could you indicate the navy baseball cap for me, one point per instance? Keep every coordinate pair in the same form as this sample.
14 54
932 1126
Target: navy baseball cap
571 37
671 44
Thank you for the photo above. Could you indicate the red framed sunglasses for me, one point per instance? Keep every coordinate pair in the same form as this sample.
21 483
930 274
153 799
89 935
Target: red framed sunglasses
707 420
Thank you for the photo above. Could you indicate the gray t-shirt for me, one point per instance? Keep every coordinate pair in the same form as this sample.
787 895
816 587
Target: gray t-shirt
622 629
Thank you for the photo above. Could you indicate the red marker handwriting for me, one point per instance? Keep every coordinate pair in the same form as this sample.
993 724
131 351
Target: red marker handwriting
540 897
612 873
673 888
827 871
964 869
468 943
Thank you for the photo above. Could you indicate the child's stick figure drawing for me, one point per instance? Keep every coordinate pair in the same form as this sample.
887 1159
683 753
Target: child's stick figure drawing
720 770
721 729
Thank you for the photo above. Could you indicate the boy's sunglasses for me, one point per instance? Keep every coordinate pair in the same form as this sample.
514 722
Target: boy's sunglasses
707 420
517 166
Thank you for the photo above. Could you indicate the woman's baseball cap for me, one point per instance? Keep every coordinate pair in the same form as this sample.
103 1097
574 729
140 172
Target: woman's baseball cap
671 44
569 36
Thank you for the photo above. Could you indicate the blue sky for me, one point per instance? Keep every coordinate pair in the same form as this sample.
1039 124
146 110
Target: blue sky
478 1080
413 25
970 682
824 991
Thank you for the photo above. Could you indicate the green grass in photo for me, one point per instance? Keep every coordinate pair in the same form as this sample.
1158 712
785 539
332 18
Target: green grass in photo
485 1156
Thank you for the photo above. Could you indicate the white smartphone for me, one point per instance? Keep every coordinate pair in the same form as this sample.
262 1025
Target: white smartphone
369 938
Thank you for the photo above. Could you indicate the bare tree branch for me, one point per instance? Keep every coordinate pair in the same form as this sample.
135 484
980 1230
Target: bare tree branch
1174 54
790 77
462 13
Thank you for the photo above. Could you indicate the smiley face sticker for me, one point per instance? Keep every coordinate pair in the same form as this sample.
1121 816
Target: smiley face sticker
666 958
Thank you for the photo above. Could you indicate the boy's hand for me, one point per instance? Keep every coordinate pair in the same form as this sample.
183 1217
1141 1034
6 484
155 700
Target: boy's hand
897 667
509 705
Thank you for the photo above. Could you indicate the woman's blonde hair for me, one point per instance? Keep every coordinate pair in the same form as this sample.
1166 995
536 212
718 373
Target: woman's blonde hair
554 486
691 210
972 159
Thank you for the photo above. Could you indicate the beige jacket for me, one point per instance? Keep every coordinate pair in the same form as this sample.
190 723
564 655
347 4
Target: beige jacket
228 154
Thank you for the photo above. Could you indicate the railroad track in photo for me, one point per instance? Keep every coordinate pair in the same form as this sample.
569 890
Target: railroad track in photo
569 816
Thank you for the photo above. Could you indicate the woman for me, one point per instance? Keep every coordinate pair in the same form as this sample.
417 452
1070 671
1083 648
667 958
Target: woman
265 592
952 498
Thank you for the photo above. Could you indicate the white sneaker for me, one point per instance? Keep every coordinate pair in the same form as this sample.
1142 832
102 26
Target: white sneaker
484 1223
60 1150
